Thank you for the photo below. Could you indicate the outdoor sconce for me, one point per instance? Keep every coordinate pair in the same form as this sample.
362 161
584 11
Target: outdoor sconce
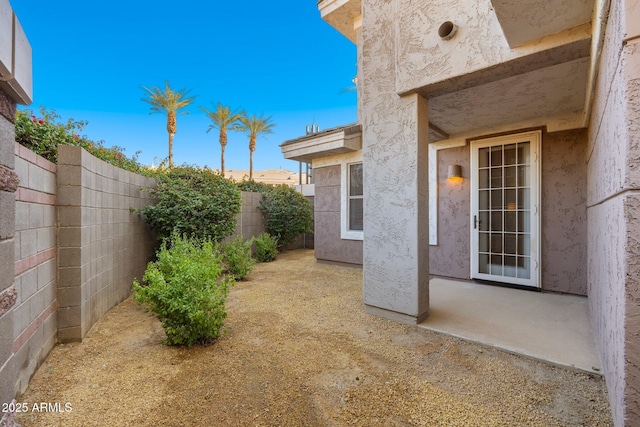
454 173
447 30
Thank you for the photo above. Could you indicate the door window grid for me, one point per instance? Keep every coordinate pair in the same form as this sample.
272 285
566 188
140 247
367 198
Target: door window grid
504 211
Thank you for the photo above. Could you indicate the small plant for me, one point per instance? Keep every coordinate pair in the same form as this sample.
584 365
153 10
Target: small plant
186 291
237 258
266 247
287 214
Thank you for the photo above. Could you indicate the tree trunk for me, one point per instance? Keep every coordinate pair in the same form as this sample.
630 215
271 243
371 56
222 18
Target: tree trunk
223 143
171 150
222 160
251 165
172 128
252 148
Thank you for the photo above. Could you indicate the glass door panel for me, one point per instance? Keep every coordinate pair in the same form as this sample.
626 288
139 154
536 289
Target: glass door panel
504 201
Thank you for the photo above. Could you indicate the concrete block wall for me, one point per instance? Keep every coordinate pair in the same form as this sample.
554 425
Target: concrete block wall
102 245
8 292
34 315
249 222
15 88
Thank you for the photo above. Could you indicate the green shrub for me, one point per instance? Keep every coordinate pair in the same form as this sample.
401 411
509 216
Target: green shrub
266 247
185 290
195 202
237 258
287 214
256 187
43 134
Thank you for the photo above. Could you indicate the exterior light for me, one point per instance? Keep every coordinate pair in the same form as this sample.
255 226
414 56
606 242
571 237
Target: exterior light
454 173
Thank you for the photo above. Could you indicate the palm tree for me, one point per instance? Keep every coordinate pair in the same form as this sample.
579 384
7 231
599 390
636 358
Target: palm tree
253 126
223 119
169 101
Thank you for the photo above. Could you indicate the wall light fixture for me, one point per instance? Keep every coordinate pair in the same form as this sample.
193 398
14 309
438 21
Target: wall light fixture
454 173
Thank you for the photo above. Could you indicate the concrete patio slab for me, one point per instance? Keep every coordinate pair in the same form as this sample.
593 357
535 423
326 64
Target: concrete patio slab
549 327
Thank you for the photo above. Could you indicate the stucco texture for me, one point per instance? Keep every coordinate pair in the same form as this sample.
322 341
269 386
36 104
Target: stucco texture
613 192
564 212
451 256
329 246
425 60
395 132
564 222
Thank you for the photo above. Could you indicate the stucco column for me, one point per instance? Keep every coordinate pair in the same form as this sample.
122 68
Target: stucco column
396 231
394 152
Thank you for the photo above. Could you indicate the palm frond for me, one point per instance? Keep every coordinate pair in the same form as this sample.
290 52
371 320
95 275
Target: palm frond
165 100
223 117
255 125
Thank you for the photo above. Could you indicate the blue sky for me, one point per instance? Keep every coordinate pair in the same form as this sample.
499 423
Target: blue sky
90 60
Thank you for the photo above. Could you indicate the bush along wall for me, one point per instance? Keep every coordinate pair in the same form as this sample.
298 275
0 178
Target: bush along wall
286 212
43 133
198 203
186 290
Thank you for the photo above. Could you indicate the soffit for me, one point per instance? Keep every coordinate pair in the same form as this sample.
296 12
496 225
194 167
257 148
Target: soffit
544 93
341 15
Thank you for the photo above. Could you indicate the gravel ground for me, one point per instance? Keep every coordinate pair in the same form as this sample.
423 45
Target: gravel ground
299 351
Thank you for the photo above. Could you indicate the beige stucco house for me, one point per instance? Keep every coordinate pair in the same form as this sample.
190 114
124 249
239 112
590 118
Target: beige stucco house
497 141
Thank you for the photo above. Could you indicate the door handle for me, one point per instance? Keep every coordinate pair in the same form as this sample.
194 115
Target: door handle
476 222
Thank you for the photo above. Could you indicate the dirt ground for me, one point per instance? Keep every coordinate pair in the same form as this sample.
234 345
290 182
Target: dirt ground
300 351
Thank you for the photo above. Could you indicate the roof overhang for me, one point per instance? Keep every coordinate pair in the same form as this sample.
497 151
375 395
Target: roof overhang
343 15
339 140
523 21
545 82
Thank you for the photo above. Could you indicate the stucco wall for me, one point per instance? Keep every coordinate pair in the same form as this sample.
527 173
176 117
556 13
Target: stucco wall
613 178
479 52
395 159
34 316
564 223
564 212
328 244
451 256
103 246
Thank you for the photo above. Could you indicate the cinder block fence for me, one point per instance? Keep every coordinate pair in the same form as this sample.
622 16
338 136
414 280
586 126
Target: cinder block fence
77 248
73 248
102 244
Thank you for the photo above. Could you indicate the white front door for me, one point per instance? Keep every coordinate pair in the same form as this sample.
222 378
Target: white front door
505 209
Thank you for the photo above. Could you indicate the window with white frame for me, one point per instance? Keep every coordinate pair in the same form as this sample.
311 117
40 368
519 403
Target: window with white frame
355 197
352 223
